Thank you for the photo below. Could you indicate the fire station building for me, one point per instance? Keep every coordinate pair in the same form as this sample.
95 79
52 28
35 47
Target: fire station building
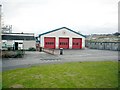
62 38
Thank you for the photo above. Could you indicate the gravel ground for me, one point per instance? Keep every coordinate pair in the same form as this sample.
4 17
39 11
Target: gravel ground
39 58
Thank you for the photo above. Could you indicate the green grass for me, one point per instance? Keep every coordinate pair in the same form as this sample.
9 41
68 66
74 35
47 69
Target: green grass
67 75
0 80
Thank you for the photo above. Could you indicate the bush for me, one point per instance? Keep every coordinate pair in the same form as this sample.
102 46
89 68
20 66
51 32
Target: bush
13 54
10 48
31 49
19 54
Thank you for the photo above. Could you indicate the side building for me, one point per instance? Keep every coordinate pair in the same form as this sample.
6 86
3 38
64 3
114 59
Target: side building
62 38
18 41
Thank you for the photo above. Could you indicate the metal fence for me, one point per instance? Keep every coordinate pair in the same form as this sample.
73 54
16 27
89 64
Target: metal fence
115 46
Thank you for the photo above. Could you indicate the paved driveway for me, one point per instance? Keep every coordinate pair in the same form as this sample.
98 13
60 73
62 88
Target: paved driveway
39 58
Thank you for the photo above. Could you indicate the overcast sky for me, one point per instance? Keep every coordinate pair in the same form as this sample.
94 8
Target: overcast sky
38 16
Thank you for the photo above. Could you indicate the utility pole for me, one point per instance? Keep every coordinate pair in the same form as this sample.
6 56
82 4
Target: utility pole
0 46
0 30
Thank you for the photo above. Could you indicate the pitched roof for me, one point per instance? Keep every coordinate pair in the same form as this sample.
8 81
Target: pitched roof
60 29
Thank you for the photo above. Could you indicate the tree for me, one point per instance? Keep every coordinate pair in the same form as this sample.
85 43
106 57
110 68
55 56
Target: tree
116 34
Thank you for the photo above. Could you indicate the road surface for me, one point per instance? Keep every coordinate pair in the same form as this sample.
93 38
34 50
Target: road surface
39 58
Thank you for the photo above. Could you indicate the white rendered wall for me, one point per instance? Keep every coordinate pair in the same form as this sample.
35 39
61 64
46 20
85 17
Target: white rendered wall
10 42
64 33
28 44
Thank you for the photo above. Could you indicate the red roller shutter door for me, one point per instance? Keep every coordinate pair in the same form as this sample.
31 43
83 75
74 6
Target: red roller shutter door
64 43
49 42
77 43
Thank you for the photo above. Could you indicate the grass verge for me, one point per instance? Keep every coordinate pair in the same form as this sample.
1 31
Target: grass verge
67 75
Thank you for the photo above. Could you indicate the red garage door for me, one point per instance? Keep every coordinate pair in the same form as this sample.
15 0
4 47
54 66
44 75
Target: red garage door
64 43
77 43
49 42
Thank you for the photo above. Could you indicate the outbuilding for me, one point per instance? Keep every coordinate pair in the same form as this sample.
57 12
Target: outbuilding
62 38
18 41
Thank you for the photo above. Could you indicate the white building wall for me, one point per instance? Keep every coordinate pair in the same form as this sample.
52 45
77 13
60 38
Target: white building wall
83 43
60 33
10 42
57 42
28 44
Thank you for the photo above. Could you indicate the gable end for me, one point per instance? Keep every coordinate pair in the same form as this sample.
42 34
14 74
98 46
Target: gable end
60 29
